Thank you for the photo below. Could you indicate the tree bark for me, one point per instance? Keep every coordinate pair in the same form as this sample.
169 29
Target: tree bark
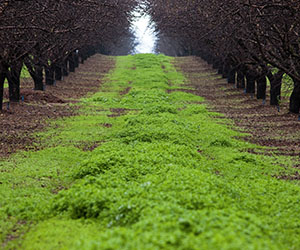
275 91
210 60
38 78
13 77
240 80
295 98
83 55
261 87
58 73
220 68
76 59
231 76
2 80
81 60
225 70
36 72
216 63
250 86
71 62
49 75
65 71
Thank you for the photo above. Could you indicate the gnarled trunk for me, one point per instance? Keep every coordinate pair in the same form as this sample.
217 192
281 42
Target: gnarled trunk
83 56
2 79
261 87
65 71
36 72
240 80
209 59
49 75
76 59
71 62
275 91
220 68
58 73
216 63
225 71
231 75
38 78
295 98
250 86
13 77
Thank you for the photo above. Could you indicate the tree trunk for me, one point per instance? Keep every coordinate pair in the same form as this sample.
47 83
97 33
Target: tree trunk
295 98
250 86
36 73
225 70
216 63
49 75
83 56
209 60
58 73
220 68
71 62
13 77
92 51
76 60
65 71
231 76
240 80
261 87
275 91
38 78
81 60
2 79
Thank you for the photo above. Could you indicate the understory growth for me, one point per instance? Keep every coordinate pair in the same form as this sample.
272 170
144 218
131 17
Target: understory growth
146 168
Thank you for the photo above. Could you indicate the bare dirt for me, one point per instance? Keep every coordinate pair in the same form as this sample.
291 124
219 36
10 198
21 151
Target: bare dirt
279 131
21 120
125 91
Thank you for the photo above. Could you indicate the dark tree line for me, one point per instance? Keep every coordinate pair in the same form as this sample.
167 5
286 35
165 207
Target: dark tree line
51 37
243 39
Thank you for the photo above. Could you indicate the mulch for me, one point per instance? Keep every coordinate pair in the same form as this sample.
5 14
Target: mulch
32 114
280 131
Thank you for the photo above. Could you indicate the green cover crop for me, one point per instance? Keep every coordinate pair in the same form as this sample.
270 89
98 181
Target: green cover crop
165 174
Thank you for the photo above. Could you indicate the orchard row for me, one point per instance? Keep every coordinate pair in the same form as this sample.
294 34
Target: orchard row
247 41
51 36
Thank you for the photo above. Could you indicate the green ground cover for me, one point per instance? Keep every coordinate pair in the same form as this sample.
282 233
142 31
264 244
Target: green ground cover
166 174
286 87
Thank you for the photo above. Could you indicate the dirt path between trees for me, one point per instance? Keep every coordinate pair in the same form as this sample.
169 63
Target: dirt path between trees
21 120
280 131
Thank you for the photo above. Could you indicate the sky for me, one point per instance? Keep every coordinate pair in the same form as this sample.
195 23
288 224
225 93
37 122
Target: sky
144 33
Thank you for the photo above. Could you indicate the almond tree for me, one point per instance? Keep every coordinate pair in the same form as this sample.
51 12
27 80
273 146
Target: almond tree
51 35
243 39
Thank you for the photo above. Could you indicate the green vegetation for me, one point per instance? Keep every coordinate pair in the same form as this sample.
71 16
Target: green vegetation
163 174
25 73
286 87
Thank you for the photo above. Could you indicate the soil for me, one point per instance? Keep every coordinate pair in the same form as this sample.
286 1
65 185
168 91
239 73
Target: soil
279 131
32 113
125 91
89 146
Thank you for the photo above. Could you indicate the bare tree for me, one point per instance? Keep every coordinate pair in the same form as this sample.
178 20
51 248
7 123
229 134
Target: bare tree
244 40
51 36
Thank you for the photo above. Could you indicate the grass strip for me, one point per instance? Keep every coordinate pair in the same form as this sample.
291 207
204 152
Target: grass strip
148 169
